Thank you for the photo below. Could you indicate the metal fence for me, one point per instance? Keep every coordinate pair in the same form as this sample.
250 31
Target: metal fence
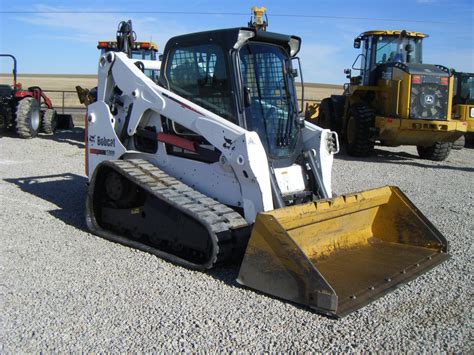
66 101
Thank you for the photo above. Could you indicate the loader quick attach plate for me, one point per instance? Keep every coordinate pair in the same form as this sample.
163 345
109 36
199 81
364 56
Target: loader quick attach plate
337 255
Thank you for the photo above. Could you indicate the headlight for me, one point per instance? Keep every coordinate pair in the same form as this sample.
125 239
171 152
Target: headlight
244 36
294 44
471 114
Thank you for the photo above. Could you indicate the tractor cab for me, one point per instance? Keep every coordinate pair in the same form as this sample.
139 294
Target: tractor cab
381 49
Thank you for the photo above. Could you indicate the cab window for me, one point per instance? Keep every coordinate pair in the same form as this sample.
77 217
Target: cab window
199 74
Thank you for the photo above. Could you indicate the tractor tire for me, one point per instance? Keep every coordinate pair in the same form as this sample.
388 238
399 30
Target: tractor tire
6 117
325 114
28 118
49 121
459 143
437 152
358 132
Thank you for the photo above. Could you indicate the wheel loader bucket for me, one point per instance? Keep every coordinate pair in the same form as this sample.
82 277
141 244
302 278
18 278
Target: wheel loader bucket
337 255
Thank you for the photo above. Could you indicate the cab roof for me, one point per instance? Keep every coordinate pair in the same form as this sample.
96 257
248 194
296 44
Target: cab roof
227 37
392 33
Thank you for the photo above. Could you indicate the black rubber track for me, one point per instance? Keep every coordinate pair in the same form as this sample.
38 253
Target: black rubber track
437 152
363 143
223 224
49 121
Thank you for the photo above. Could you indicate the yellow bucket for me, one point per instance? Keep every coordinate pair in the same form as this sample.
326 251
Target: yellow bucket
337 255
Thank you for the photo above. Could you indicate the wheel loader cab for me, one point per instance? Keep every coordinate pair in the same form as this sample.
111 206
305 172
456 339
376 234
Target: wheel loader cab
463 100
406 88
385 48
243 75
463 88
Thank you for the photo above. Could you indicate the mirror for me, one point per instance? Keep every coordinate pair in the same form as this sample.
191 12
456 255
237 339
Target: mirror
357 42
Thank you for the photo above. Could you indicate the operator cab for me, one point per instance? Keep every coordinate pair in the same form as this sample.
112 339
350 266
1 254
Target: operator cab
140 51
243 75
382 49
463 89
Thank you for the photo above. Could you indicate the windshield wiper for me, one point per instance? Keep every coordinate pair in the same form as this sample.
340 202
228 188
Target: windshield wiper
280 136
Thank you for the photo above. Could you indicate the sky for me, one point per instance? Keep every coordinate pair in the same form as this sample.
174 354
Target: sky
47 42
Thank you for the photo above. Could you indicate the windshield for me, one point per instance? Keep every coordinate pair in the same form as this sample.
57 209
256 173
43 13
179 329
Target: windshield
466 89
143 54
272 111
391 49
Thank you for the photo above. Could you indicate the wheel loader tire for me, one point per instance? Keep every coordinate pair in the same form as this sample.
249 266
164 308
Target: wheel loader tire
437 152
325 114
28 117
459 143
49 121
358 138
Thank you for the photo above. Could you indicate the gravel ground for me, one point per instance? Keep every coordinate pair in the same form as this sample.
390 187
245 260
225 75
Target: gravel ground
64 289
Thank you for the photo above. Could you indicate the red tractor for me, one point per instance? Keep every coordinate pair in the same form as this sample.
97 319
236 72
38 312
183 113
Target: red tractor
26 112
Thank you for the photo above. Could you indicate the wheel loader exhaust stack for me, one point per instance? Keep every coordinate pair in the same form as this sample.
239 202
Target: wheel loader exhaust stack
214 163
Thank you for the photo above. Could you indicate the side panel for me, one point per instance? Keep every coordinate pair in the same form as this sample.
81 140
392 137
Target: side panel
243 164
102 140
404 92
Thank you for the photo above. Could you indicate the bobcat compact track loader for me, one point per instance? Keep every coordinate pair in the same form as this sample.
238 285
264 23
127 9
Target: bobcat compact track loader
214 163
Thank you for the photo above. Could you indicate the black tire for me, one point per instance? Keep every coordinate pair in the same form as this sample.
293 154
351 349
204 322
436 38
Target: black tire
358 130
437 152
28 118
6 118
325 114
459 143
49 121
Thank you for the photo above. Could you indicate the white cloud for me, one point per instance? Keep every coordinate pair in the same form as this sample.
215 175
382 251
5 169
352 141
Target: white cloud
92 27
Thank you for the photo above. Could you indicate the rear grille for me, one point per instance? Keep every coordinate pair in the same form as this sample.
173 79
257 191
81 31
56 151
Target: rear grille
429 99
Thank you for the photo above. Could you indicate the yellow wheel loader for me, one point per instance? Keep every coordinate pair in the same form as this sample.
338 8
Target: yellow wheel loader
463 105
214 164
395 99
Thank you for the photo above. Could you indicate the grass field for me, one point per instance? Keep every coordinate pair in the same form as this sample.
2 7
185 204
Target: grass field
51 83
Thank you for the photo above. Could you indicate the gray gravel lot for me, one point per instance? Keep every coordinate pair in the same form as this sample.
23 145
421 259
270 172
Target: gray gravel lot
64 289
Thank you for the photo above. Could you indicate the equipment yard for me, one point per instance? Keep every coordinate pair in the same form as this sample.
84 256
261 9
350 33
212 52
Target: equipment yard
65 289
